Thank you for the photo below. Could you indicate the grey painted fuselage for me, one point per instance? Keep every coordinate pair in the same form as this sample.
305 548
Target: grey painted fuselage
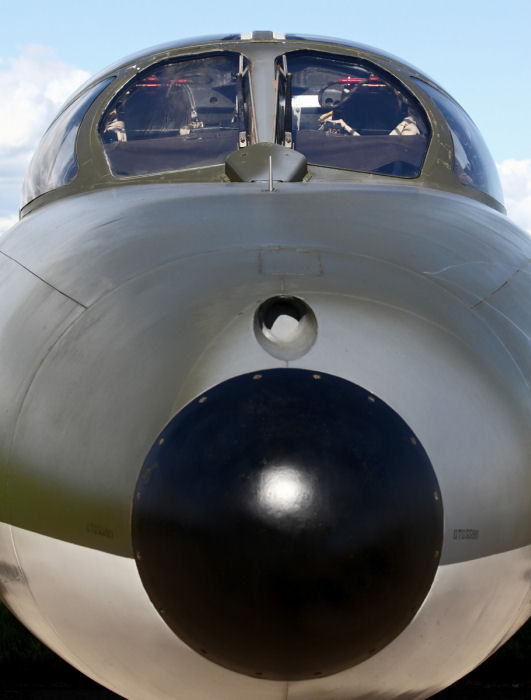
120 303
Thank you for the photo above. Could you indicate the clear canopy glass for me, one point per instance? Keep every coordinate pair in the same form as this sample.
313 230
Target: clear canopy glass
54 163
349 114
473 163
184 113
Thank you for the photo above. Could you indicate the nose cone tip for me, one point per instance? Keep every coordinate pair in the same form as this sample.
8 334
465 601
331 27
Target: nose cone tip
287 524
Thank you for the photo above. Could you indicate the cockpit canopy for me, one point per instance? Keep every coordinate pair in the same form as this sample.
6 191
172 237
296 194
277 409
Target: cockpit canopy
339 109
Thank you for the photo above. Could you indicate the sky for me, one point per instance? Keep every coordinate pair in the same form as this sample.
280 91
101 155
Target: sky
478 50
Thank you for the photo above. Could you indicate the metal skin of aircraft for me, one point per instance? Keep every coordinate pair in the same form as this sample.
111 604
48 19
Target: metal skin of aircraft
265 363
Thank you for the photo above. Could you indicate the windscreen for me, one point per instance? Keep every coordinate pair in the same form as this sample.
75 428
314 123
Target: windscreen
176 115
54 163
473 163
349 114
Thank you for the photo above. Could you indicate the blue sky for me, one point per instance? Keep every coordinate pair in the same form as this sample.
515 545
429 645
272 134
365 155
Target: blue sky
479 51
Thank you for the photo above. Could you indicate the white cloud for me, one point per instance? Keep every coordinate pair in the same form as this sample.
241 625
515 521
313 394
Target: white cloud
7 221
515 177
33 86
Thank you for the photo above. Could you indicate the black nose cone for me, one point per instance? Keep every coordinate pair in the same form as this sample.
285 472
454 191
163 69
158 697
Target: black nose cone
287 524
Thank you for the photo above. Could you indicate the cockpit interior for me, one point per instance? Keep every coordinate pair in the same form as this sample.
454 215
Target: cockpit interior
348 114
180 114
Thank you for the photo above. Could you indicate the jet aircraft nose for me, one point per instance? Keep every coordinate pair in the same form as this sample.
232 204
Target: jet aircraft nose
287 524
